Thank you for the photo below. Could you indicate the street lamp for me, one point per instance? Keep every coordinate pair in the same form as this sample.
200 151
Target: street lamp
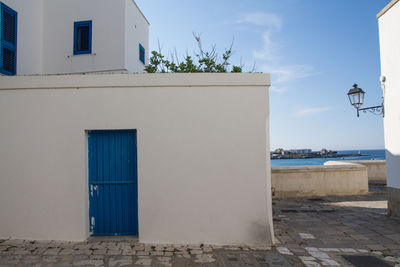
356 97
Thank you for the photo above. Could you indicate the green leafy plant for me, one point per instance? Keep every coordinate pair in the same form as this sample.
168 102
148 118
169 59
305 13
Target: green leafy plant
203 61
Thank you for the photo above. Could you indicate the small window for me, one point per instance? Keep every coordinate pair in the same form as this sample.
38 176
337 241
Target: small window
83 37
8 44
142 54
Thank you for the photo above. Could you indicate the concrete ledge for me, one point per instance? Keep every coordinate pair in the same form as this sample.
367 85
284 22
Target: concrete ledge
386 8
307 181
165 80
376 168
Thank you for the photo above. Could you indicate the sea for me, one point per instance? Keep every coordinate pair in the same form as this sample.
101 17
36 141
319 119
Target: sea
376 154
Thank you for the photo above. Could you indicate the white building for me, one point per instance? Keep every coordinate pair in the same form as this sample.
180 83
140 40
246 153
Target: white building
172 158
301 151
389 36
73 36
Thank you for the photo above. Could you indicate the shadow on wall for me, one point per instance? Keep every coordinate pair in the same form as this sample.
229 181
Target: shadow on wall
392 169
393 183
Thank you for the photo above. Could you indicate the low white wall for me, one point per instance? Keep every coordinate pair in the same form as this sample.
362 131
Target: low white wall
306 181
376 168
202 143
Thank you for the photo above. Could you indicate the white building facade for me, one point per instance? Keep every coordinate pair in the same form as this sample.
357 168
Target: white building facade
198 171
389 36
62 37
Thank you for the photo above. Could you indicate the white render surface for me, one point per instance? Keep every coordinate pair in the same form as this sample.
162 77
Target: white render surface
46 35
203 170
389 36
29 35
376 168
334 178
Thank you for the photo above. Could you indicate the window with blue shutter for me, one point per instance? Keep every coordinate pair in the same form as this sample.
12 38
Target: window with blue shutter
8 46
142 54
82 37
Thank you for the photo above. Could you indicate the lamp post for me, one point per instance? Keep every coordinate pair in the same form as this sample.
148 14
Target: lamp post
356 97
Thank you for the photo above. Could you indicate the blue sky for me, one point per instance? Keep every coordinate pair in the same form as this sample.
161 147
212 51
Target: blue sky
314 50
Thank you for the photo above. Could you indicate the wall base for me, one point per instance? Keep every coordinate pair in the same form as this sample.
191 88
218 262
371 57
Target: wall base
394 202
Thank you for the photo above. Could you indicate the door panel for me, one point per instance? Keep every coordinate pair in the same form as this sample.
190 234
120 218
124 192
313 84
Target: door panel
113 182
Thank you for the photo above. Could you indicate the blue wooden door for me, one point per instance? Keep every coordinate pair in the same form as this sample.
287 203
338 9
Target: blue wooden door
113 182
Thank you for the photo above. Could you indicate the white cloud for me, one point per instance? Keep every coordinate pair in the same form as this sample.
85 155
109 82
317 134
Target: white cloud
277 89
310 111
292 72
282 74
267 52
268 55
263 19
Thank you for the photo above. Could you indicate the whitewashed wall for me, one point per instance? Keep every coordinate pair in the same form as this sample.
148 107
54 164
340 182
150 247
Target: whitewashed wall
389 35
29 35
136 31
113 23
46 36
203 172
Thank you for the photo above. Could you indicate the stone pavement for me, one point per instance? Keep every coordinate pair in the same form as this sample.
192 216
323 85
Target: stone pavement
319 231
110 252
310 231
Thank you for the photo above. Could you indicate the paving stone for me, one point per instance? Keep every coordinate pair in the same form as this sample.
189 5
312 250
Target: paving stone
144 262
329 249
67 251
129 252
311 264
159 248
207 250
113 252
138 248
52 251
157 253
164 259
196 252
142 253
122 261
204 258
89 263
86 251
284 251
96 257
348 250
307 258
319 255
375 247
329 262
50 259
99 252
306 236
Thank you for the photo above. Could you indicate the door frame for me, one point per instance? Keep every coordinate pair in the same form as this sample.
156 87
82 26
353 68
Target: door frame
88 227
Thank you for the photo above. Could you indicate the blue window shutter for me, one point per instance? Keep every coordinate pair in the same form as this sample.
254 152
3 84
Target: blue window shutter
82 37
142 54
8 45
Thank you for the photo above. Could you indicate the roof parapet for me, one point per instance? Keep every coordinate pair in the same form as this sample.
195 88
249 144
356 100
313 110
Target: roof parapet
386 8
133 1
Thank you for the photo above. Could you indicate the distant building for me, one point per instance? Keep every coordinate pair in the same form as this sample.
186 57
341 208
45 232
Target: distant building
301 151
72 36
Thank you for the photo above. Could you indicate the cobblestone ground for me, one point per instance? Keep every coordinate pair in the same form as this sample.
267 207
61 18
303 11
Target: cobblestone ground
109 252
318 231
310 231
